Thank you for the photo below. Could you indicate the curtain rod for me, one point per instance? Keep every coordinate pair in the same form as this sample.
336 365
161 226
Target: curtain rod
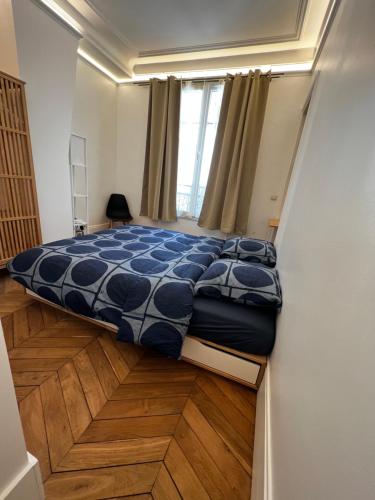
201 79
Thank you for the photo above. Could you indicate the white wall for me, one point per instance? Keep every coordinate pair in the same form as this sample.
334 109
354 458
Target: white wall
8 49
284 108
94 117
322 369
47 59
282 120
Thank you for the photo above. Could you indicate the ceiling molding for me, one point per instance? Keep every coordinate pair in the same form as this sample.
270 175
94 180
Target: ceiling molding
51 13
237 61
326 26
99 37
221 45
301 13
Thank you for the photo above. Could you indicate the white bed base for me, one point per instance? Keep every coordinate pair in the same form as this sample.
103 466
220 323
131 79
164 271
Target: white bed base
247 369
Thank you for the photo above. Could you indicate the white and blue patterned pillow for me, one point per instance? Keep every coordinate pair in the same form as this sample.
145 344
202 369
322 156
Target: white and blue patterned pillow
238 281
251 250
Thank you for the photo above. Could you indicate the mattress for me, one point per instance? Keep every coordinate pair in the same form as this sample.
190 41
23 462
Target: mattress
240 327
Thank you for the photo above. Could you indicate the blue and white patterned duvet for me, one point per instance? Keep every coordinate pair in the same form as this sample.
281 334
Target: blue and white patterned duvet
137 277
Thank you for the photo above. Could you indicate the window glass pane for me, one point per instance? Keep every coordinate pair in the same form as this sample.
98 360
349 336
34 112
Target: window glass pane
200 110
191 100
215 97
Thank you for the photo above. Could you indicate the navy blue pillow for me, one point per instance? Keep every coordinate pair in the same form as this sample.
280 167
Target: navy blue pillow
248 283
251 250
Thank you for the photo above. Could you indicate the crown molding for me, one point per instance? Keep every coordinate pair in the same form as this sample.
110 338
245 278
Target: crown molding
221 45
227 62
97 37
325 29
51 13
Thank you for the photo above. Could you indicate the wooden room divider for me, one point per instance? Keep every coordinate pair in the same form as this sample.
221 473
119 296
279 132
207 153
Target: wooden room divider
19 216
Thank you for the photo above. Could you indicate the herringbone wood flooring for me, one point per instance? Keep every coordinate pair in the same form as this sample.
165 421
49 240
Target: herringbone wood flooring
111 420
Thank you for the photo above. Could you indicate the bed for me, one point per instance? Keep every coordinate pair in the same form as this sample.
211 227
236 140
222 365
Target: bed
138 282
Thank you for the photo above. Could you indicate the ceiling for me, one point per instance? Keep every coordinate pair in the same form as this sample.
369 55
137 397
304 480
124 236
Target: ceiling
169 26
127 38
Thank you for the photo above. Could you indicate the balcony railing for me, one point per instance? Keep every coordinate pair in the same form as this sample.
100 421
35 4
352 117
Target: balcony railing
185 202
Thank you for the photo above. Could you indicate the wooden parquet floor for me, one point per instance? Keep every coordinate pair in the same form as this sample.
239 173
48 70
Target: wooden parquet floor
111 420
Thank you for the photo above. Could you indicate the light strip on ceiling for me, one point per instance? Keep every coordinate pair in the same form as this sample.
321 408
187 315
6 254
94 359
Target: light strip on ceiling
98 65
273 68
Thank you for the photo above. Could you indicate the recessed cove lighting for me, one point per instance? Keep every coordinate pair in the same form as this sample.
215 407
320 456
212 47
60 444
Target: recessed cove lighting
98 66
273 68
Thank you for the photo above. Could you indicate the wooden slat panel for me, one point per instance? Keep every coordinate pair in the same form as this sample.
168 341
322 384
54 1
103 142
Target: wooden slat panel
18 199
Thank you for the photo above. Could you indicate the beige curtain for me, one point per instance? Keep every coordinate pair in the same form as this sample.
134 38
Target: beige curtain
160 171
227 198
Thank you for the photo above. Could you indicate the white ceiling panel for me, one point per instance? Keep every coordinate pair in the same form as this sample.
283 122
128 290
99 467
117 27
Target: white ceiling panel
168 26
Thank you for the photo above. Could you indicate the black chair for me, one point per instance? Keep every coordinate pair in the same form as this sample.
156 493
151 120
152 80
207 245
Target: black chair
117 209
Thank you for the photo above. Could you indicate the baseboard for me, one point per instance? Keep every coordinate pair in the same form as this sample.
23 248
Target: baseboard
27 484
97 227
262 464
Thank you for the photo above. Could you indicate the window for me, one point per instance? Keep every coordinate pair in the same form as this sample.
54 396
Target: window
199 116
